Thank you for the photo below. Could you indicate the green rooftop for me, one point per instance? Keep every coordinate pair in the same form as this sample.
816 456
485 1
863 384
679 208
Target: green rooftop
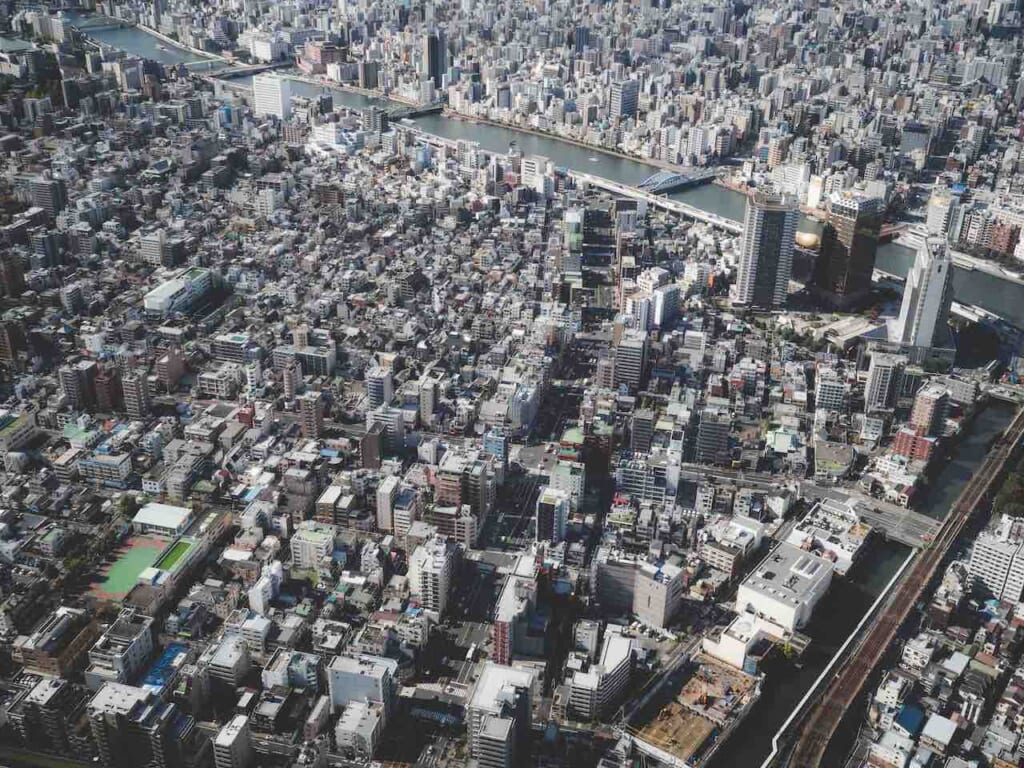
174 555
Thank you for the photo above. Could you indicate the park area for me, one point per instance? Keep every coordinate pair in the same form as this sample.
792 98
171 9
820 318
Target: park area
135 555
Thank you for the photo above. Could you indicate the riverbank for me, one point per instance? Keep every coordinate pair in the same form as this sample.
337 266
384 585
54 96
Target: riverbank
654 163
370 93
966 262
171 41
743 189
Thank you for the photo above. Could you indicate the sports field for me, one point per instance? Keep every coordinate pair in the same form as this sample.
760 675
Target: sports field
133 557
174 555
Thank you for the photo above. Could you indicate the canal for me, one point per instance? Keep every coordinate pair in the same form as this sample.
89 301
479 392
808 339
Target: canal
847 601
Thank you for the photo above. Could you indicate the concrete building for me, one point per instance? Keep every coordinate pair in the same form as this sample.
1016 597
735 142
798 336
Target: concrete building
631 359
927 298
387 494
311 544
785 587
311 414
551 514
849 244
996 564
596 693
498 716
765 259
431 569
658 593
272 95
353 677
232 746
121 651
883 383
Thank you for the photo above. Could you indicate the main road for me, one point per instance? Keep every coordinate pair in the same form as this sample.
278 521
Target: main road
821 722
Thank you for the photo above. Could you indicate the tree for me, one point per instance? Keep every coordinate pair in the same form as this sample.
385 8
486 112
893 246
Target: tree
127 506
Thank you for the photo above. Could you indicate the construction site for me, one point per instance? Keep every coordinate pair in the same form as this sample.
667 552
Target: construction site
692 719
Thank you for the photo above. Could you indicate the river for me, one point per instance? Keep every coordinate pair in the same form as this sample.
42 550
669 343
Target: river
1003 297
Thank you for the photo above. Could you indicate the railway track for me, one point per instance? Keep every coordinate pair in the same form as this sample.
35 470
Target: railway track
841 691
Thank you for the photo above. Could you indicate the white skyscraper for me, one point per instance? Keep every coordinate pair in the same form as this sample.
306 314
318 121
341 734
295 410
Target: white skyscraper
272 95
766 251
387 492
927 297
941 206
997 559
431 568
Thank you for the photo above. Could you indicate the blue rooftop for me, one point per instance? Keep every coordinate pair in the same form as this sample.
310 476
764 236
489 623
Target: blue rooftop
163 670
910 719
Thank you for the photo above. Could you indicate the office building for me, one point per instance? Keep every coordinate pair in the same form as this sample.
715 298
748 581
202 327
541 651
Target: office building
996 564
657 593
434 57
766 250
12 275
712 445
884 374
596 693
49 193
552 514
927 297
387 494
624 95
272 95
232 746
631 359
849 243
380 388
517 627
830 391
369 73
642 430
496 445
